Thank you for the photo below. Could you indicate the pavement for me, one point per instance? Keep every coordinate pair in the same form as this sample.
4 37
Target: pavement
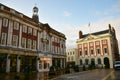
98 74
22 76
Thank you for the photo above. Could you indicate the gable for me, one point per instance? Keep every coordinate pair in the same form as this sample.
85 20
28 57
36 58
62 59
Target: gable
90 37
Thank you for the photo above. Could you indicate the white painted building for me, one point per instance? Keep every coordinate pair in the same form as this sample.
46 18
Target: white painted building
98 49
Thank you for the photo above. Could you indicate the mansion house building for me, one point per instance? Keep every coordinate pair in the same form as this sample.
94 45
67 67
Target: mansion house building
98 49
25 41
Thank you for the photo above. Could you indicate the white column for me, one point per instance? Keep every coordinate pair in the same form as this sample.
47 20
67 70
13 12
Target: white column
8 64
37 65
0 25
9 33
18 63
61 63
64 63
42 65
50 61
38 41
20 36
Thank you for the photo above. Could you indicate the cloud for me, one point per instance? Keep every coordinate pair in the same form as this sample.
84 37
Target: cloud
67 14
112 10
71 31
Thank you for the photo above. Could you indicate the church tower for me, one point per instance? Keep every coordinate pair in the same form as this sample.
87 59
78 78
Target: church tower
35 14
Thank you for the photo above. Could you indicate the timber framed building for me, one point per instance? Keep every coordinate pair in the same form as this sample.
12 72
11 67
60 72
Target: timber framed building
26 41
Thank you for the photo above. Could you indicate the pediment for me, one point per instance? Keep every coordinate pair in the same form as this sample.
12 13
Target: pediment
90 37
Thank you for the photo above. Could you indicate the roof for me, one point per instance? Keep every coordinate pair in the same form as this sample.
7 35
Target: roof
97 33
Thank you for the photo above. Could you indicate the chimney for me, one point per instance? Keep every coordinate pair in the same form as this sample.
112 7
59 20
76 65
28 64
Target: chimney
80 34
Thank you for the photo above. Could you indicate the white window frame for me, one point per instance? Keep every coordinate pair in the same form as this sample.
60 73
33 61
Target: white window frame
5 22
30 30
24 29
16 25
15 40
23 44
35 32
104 41
97 43
34 44
29 44
3 39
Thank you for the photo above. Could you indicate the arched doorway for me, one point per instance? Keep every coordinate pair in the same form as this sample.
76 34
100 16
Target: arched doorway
92 63
106 62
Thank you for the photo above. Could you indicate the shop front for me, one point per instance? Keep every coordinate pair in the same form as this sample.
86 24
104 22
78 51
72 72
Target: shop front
44 63
3 60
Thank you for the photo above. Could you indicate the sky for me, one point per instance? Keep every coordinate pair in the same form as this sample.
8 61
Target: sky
71 16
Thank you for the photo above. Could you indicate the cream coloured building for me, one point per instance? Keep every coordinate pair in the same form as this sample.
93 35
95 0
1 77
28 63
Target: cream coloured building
98 48
72 55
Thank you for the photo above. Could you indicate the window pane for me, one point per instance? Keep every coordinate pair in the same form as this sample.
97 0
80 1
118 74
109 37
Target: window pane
24 42
29 44
35 32
24 29
16 25
30 30
15 40
34 44
3 39
5 22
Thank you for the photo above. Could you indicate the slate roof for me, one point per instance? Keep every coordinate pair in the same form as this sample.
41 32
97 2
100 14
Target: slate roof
97 33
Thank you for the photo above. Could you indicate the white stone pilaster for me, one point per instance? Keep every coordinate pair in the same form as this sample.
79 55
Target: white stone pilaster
18 64
61 62
20 36
38 41
0 25
42 65
9 39
50 61
37 66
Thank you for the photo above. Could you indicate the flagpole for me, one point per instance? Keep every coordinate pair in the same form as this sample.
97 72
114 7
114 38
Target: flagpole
89 28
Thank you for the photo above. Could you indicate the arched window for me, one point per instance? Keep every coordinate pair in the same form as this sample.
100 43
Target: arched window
81 62
86 61
99 61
